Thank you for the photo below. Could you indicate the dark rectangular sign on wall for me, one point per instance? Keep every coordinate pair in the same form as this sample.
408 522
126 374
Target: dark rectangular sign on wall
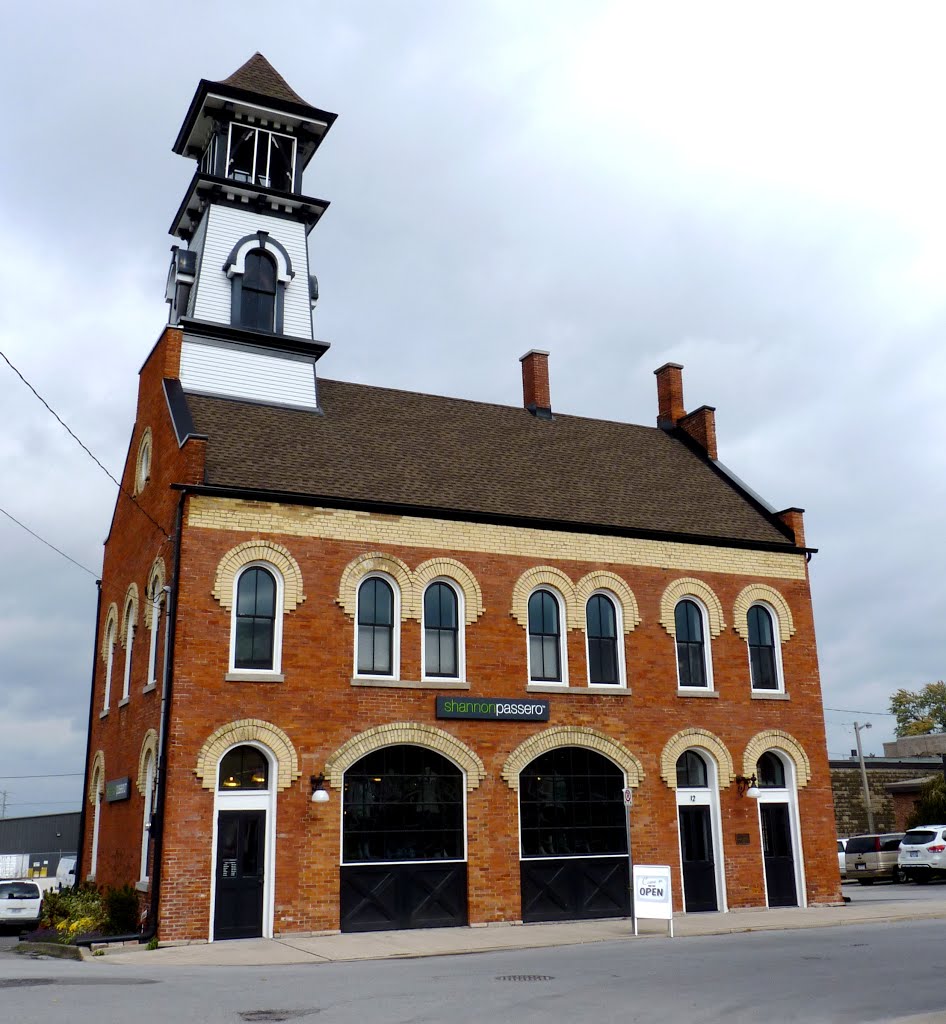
494 709
117 789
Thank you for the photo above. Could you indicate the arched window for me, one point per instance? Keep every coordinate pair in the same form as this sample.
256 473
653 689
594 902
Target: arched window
155 594
545 638
376 655
131 623
255 620
146 819
604 666
243 767
763 659
691 771
258 292
110 631
691 650
441 631
770 771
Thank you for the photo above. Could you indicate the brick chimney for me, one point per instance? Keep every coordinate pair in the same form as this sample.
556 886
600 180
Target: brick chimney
794 519
701 426
535 383
670 408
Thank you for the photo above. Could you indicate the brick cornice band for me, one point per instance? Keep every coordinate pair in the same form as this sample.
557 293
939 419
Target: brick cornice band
571 736
779 740
754 594
687 739
248 730
259 551
397 733
689 586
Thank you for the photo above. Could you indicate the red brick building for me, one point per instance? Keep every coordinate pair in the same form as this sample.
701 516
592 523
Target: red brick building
470 627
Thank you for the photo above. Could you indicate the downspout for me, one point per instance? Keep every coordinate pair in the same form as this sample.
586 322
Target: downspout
157 819
88 738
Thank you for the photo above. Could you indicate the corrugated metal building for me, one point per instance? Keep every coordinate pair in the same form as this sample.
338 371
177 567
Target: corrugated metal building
42 839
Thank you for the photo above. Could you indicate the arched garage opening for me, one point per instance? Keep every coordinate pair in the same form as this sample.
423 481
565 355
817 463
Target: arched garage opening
403 841
573 837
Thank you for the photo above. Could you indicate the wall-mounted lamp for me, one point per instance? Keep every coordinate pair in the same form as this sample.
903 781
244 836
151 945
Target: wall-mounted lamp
747 787
319 795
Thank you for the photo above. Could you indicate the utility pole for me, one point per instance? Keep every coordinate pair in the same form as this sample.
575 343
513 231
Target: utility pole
860 758
3 803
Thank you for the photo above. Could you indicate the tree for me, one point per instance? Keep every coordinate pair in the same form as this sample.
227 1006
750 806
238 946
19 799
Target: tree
931 807
920 711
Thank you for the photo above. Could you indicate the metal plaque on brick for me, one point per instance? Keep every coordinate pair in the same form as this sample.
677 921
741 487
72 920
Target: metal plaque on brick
493 709
117 789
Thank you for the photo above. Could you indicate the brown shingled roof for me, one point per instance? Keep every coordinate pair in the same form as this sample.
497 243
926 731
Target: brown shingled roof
259 76
377 445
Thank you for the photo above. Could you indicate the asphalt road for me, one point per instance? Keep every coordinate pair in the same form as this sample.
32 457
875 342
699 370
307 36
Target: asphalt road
855 973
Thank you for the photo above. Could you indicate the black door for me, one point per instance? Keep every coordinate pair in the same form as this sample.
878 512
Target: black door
384 897
699 869
238 912
777 853
575 888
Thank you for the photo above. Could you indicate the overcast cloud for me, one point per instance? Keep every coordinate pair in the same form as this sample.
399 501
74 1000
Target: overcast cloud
756 195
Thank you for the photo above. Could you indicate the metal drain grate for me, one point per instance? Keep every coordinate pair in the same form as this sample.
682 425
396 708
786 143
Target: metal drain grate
265 1016
525 977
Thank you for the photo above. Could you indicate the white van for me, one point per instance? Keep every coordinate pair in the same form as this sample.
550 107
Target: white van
66 872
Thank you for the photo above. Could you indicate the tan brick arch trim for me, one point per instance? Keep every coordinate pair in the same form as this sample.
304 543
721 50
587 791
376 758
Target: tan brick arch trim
131 600
259 551
375 561
145 447
149 745
111 629
449 568
787 744
571 736
97 776
685 740
396 733
248 730
753 594
157 578
604 580
544 575
689 586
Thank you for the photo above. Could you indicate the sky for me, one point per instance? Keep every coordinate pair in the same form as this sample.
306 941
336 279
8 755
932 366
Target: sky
753 191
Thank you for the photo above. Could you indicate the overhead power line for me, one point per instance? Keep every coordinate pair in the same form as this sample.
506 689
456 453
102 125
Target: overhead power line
42 540
59 775
848 711
79 442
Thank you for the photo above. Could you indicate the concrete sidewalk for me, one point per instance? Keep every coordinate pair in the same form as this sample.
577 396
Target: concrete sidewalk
337 948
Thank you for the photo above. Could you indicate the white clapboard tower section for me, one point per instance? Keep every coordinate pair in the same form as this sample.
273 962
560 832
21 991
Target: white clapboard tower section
240 286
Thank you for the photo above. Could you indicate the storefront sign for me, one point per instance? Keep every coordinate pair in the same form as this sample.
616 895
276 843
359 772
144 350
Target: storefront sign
495 709
117 789
652 896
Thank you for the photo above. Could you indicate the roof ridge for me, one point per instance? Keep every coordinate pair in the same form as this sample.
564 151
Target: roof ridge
259 76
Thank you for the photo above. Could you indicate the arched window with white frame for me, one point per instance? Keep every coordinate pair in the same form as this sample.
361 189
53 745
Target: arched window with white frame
130 625
694 668
155 596
111 636
146 815
765 660
256 641
442 633
605 639
547 662
377 636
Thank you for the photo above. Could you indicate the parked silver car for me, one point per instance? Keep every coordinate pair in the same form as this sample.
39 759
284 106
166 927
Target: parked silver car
873 857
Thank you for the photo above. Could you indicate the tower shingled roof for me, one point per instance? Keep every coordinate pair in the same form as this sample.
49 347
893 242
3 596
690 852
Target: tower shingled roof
259 76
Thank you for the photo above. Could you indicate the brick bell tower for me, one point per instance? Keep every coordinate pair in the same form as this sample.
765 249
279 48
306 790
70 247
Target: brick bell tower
240 285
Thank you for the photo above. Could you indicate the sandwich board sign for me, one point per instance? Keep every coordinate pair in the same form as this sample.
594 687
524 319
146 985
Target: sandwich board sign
652 896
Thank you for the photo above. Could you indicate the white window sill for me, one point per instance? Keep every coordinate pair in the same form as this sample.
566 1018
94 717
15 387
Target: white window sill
410 684
769 695
123 701
612 690
150 688
254 677
142 885
103 713
697 693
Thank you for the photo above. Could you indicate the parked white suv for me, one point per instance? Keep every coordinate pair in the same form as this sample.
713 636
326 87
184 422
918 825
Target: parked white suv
20 904
923 853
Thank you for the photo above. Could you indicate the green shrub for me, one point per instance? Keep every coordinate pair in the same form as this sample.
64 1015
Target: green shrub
931 807
74 912
121 910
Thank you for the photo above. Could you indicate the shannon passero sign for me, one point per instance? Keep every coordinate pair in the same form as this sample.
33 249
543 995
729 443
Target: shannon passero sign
494 709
